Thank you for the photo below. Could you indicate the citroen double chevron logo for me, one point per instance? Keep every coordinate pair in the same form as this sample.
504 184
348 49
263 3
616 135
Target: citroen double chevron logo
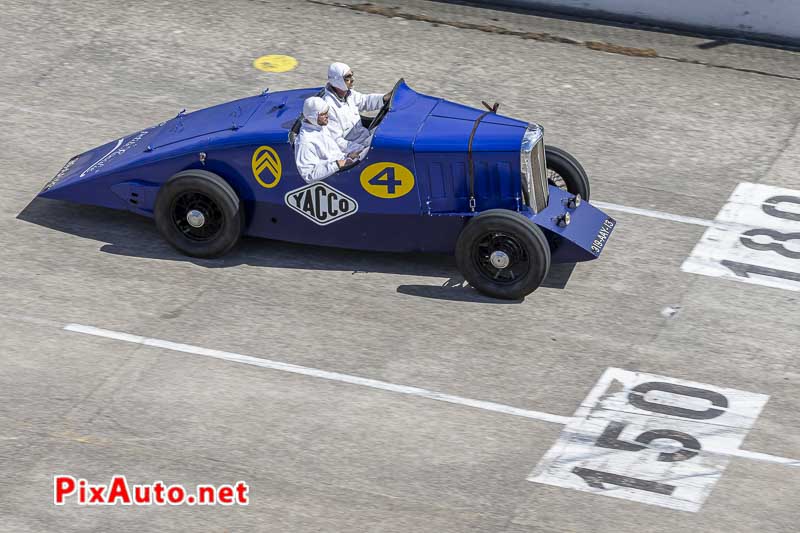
321 203
266 161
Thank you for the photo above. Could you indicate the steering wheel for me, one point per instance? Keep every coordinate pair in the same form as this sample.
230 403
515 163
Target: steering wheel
387 106
382 113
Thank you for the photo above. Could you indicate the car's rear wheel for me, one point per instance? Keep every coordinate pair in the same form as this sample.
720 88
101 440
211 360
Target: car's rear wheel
199 214
503 254
564 171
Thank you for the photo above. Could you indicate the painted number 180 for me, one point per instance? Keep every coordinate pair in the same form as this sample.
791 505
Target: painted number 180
777 241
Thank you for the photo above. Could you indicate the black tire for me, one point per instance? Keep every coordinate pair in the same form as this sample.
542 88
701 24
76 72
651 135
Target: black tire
519 238
564 171
223 217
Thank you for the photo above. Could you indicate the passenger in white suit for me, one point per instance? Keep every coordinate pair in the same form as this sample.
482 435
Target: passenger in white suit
316 152
346 107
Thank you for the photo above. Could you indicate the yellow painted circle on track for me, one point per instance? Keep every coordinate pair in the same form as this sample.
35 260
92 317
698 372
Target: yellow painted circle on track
266 161
387 180
275 63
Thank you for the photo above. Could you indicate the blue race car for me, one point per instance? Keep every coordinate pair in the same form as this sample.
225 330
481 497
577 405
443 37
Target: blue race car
439 177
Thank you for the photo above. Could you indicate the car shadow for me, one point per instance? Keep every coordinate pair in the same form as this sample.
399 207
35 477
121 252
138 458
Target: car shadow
457 289
132 235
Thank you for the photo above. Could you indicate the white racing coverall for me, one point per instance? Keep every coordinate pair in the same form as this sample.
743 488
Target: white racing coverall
316 152
344 115
345 118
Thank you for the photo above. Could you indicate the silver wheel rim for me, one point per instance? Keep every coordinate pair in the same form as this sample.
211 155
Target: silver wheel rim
195 218
499 259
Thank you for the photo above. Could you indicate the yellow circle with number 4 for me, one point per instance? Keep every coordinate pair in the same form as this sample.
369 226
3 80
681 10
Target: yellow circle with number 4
275 63
387 180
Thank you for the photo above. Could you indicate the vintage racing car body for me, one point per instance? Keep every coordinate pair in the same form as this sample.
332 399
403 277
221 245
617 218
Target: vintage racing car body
433 166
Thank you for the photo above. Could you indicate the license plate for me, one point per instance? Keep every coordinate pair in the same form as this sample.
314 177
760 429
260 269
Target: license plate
602 236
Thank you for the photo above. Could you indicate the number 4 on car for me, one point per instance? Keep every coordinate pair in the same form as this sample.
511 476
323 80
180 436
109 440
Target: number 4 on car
438 177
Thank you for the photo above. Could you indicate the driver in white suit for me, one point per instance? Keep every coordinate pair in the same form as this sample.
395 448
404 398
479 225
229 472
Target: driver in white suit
316 152
346 105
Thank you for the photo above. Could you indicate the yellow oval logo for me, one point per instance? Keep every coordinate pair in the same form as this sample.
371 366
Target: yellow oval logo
387 180
275 63
265 158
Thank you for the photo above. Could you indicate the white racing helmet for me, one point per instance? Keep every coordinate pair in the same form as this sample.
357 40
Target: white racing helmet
336 74
312 107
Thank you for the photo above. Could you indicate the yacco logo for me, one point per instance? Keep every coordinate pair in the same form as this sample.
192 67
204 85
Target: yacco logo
321 203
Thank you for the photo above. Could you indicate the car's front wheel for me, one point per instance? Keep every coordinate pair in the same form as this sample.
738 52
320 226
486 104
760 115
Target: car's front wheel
565 172
199 214
503 254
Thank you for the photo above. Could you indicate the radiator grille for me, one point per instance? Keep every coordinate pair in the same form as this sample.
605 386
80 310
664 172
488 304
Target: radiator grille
541 194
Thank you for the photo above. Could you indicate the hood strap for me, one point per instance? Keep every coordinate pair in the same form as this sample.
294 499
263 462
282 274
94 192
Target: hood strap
470 163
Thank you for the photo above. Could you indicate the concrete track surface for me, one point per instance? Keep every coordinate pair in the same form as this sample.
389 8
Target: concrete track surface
663 123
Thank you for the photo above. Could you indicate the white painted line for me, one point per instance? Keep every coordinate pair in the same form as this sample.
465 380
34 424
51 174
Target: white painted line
654 214
321 374
757 456
582 411
662 215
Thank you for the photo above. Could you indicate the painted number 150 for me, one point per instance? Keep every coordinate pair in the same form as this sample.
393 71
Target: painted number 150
690 446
